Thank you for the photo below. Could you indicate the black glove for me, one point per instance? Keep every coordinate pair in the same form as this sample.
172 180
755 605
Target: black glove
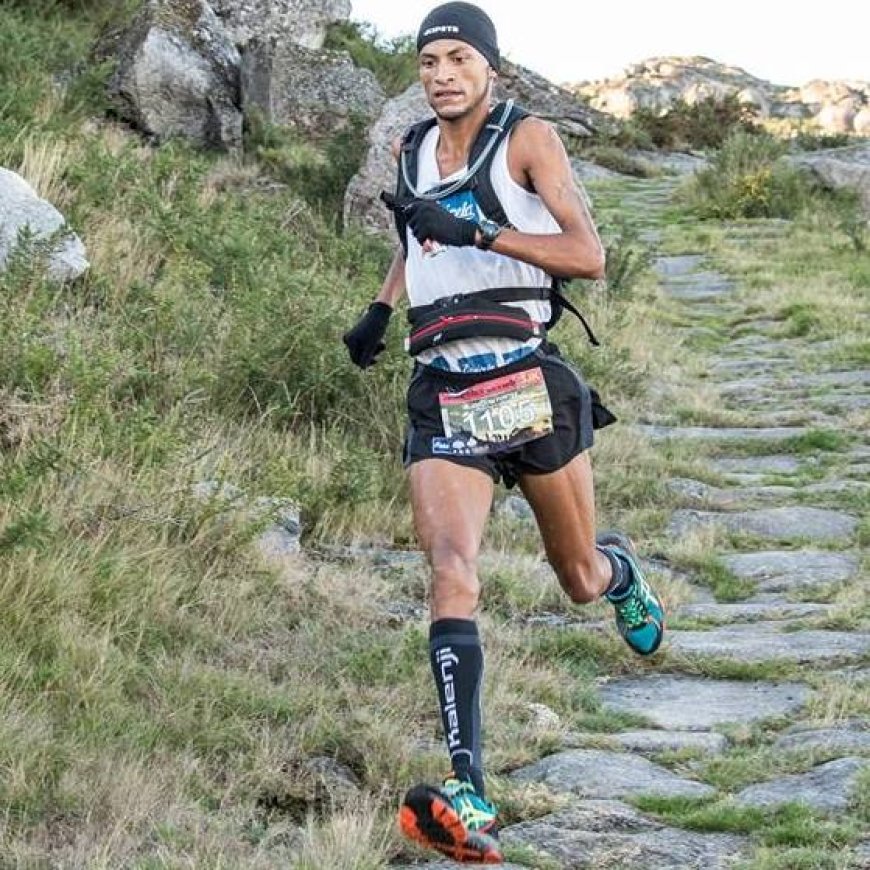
365 341
428 220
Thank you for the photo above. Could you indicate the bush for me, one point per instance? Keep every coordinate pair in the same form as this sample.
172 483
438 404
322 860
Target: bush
317 171
746 180
393 61
627 258
705 124
815 141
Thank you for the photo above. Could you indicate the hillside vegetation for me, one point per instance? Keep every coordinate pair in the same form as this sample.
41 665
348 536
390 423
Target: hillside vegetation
168 696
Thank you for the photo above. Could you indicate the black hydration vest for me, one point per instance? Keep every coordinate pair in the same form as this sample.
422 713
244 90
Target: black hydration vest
482 312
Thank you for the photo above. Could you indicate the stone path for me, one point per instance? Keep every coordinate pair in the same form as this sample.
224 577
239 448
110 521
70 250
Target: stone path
780 534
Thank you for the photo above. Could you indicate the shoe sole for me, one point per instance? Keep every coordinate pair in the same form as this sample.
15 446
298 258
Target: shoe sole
428 819
626 543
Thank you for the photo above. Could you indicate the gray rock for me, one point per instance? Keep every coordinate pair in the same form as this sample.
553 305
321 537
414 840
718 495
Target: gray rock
584 170
780 570
762 465
854 738
705 433
694 493
799 523
827 787
316 92
655 83
514 507
650 237
761 607
280 539
303 22
836 404
284 512
573 117
381 556
178 75
400 612
798 383
217 490
847 168
543 717
336 778
598 834
671 162
699 287
651 741
737 366
277 543
680 264
596 773
23 211
763 641
378 172
837 487
691 704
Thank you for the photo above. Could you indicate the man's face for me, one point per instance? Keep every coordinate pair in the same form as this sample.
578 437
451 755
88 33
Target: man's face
455 76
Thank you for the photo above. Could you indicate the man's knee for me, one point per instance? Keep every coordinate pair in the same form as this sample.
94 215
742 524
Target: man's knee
454 575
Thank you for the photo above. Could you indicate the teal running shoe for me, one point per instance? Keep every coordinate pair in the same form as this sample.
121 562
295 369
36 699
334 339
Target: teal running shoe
453 819
640 616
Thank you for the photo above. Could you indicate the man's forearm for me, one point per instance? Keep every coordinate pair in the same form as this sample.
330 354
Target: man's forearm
393 287
558 254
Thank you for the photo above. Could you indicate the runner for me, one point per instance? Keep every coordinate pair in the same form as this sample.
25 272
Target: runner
490 398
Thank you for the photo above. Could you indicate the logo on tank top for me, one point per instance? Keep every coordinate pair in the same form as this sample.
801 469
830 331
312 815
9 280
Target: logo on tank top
463 205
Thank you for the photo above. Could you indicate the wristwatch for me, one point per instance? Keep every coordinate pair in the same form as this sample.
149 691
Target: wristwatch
489 232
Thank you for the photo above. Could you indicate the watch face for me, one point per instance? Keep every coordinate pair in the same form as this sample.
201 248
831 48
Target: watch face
489 229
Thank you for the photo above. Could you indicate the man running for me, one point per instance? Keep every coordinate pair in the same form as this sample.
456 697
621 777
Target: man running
489 398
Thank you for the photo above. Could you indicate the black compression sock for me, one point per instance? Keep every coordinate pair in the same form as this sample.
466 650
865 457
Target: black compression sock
621 580
457 665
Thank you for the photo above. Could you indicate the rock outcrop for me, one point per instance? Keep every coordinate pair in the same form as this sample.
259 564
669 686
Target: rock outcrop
178 75
317 92
180 72
302 22
835 107
569 115
23 211
840 168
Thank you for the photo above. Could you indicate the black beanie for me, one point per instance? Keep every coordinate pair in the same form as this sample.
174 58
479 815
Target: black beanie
462 21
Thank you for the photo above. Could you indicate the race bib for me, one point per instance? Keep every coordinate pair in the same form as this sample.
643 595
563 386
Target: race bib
495 415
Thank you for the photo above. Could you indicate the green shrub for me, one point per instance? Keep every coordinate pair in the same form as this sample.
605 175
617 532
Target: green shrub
627 257
317 171
705 124
745 180
393 61
814 141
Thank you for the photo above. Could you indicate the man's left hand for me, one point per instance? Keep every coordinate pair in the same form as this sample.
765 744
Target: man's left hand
428 220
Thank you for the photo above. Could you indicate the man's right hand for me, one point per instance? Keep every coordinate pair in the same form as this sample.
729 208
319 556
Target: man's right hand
365 341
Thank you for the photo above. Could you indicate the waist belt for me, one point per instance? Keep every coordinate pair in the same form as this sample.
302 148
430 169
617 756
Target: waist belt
482 313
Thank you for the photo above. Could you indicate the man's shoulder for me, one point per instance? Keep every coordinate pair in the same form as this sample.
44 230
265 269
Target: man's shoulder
534 128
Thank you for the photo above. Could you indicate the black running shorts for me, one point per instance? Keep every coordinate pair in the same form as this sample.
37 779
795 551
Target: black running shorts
577 411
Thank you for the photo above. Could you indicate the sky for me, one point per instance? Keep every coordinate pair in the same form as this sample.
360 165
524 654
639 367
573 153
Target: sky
786 43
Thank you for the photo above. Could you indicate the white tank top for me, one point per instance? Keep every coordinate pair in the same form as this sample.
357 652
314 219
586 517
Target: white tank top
466 269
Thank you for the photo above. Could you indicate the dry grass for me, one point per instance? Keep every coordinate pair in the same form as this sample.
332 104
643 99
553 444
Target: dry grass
43 164
165 688
124 252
